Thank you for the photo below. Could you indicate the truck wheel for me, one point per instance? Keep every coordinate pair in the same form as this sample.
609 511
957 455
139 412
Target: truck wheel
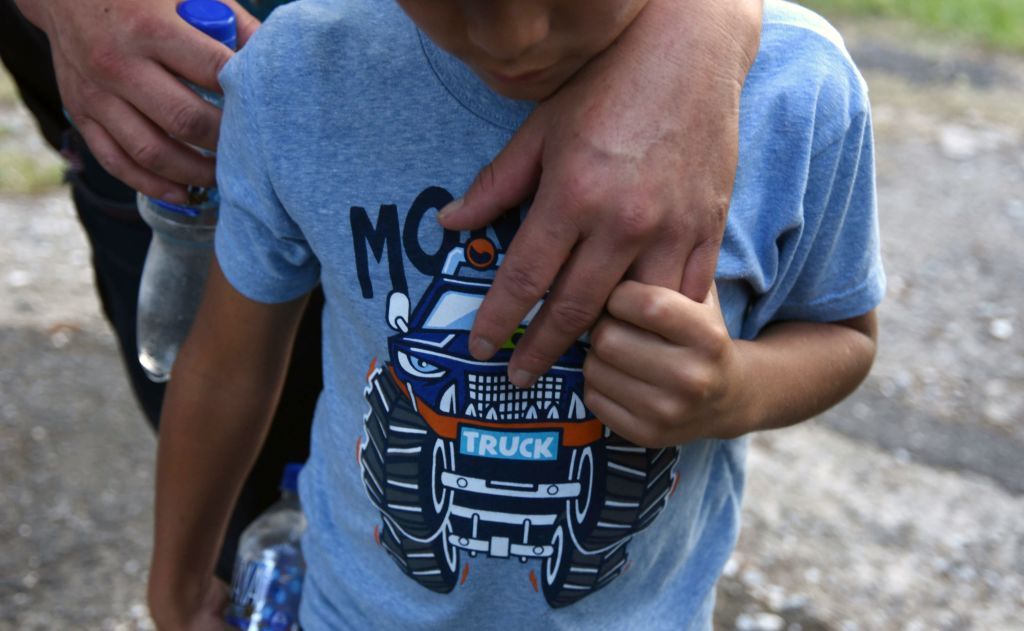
400 453
637 482
433 564
569 574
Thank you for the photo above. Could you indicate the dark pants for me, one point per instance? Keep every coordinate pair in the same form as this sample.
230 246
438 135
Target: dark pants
119 240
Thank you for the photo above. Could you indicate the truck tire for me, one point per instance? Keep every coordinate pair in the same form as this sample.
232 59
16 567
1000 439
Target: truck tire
399 445
570 574
637 483
433 564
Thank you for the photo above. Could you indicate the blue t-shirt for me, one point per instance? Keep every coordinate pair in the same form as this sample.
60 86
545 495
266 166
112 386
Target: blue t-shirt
437 493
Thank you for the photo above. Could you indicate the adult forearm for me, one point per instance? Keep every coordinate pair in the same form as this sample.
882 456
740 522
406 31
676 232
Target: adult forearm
796 370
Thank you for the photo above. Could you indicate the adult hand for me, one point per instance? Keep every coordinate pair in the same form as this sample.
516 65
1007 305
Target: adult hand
119 65
633 162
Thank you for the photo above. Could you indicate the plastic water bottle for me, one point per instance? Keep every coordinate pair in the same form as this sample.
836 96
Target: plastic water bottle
179 255
267 583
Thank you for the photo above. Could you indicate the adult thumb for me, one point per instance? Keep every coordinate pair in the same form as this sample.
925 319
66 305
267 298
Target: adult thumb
506 181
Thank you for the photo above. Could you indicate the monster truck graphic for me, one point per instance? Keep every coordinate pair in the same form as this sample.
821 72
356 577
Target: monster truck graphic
458 460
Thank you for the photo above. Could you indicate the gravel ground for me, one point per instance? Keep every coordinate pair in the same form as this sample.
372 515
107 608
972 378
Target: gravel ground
901 509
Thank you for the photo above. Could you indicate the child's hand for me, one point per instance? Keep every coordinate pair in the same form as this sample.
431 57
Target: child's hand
206 614
662 369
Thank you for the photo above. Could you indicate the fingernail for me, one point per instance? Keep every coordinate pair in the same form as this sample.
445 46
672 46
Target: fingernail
481 348
450 207
175 197
522 378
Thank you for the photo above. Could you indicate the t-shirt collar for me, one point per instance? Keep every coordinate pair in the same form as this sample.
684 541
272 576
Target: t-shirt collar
470 91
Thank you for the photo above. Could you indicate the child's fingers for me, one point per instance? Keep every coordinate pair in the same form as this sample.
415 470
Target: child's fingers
619 419
639 407
632 350
665 312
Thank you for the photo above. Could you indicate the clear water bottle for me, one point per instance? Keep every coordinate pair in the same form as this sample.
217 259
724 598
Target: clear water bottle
179 255
267 582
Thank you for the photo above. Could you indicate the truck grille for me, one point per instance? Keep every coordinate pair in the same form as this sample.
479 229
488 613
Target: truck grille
493 397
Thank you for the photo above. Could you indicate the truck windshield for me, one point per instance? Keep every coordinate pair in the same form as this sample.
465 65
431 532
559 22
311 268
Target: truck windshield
456 310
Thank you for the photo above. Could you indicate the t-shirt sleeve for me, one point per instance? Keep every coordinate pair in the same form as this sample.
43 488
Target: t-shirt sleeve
260 248
831 266
841 274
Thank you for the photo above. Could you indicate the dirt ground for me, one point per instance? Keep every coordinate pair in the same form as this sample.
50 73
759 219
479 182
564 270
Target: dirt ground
903 508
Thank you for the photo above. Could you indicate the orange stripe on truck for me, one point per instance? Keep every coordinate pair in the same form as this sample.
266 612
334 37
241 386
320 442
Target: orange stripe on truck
574 433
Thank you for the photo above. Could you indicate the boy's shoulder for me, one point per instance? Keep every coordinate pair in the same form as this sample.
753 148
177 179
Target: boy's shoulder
316 55
804 74
317 19
786 19
305 37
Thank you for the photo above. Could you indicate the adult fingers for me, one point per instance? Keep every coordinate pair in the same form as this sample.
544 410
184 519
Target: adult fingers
699 273
503 184
162 97
110 155
192 55
247 24
152 150
195 56
130 147
531 263
661 263
574 304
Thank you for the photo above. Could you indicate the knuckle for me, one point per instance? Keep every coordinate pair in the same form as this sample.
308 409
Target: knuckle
635 222
485 179
105 59
717 342
187 121
522 284
707 215
718 206
575 197
148 155
89 94
700 385
570 316
666 410
144 26
682 379
655 306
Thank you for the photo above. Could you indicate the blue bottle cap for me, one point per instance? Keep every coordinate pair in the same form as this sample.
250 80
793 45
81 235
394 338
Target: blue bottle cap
213 18
290 478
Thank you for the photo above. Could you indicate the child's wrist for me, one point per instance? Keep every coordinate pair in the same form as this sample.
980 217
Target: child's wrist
742 405
173 598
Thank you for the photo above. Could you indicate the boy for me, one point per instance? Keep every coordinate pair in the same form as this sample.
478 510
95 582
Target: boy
500 506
